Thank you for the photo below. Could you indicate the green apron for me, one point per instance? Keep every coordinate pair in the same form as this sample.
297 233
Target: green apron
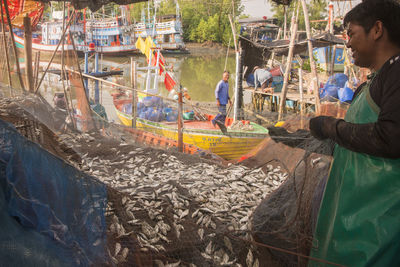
359 219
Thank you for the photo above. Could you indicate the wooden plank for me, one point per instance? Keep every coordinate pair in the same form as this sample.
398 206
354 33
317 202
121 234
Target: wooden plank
309 99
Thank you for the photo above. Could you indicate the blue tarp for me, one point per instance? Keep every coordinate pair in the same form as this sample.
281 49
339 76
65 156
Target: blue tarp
337 88
51 213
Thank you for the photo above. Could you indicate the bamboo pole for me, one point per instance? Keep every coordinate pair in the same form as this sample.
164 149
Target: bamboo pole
62 50
180 120
310 55
333 54
237 70
36 69
5 45
63 74
28 53
227 53
271 63
301 97
285 22
134 93
54 53
282 102
10 28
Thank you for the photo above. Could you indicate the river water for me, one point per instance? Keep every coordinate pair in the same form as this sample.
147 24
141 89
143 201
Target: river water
199 73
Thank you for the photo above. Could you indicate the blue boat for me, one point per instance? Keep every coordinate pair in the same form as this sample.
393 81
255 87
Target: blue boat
324 54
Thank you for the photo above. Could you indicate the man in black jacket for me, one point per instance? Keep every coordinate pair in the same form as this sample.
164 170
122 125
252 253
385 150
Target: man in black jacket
359 218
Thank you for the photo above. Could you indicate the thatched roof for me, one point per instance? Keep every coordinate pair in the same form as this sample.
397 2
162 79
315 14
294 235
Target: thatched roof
95 4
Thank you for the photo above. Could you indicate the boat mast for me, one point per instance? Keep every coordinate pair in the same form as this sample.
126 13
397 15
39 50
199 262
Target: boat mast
237 72
178 16
149 67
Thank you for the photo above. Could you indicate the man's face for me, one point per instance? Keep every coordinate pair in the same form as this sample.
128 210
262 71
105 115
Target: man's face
225 77
361 44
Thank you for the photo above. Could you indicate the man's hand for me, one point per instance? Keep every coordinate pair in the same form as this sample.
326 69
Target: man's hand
323 127
230 102
218 104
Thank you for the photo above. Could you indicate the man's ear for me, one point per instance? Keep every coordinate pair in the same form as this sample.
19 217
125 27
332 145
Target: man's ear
377 30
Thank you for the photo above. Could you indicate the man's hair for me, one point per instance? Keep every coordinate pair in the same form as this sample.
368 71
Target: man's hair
368 12
225 71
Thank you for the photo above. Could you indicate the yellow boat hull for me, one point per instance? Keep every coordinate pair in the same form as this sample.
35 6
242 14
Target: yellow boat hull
229 147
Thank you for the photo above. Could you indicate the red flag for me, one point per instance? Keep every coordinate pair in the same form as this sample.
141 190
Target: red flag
161 62
169 82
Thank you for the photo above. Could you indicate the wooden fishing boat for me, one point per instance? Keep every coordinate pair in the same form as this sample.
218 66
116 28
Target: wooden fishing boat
38 45
202 134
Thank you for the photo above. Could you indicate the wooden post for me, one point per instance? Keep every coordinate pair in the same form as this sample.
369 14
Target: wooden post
271 62
134 92
62 51
237 72
5 45
36 69
180 120
10 29
28 53
332 63
301 97
285 23
282 102
63 74
332 55
310 55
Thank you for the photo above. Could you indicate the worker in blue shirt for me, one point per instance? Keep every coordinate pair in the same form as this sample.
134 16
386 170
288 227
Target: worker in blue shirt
264 78
222 97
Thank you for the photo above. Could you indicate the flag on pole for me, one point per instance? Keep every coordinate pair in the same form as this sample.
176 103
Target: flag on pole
140 44
148 45
161 61
169 81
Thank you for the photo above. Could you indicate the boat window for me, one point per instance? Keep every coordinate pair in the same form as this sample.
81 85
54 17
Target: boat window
166 38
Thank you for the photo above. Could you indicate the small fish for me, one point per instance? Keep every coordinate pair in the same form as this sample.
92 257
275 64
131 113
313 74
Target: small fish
200 232
176 264
249 259
209 248
228 243
117 249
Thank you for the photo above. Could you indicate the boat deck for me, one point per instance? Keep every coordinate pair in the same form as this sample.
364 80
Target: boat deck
206 125
309 99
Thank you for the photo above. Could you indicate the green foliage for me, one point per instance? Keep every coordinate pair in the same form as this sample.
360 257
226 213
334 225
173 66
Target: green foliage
307 65
205 20
316 9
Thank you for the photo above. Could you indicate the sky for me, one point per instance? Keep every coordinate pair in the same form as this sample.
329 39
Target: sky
257 8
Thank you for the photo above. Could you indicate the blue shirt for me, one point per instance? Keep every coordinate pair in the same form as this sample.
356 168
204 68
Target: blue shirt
261 76
222 92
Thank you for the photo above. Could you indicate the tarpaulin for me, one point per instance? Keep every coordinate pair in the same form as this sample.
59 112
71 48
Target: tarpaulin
51 213
18 9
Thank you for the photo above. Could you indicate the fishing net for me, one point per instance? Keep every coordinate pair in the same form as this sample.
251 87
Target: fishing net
128 198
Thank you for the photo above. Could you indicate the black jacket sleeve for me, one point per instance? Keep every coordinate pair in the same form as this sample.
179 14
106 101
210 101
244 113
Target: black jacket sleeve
381 138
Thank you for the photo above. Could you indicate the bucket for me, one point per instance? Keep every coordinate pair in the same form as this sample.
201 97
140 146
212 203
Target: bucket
277 71
91 47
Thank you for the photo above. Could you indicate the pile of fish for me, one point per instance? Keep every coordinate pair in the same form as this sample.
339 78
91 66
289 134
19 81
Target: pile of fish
168 201
183 210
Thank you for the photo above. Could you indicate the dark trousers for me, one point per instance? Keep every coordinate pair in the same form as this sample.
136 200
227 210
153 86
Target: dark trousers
221 115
